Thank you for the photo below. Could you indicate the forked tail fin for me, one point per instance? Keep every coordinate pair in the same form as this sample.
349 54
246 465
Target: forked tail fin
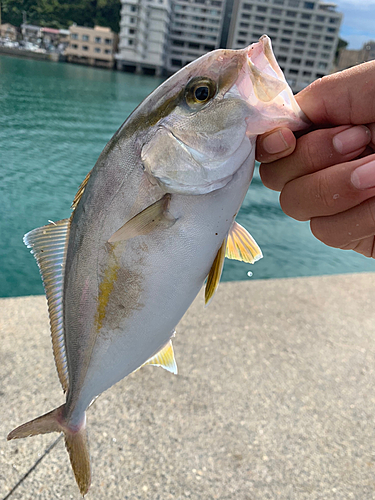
76 442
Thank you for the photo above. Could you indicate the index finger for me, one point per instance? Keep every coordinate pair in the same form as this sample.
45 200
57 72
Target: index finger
343 98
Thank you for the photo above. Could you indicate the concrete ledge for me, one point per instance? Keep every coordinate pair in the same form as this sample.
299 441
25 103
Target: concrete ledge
275 398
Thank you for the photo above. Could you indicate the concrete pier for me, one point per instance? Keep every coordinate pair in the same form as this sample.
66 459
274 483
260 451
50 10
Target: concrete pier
275 399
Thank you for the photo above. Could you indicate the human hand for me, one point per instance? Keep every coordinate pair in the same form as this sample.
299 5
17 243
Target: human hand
327 176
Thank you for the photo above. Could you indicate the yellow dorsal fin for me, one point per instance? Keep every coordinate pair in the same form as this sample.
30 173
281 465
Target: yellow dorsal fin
152 217
266 87
164 358
49 245
80 191
214 275
241 245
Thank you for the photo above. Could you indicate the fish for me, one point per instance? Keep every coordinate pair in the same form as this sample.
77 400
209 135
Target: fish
150 224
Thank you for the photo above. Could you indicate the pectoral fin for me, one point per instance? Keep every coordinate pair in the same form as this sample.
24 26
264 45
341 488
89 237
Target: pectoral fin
241 245
214 275
165 359
152 217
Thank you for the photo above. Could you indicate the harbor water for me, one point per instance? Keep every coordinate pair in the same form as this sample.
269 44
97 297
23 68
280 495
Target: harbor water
56 118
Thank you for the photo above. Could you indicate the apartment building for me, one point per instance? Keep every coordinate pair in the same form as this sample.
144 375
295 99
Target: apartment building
143 36
350 58
196 27
94 46
304 34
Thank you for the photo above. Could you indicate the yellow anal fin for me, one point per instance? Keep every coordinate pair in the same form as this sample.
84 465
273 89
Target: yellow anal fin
49 245
241 245
214 275
80 191
266 87
165 359
152 217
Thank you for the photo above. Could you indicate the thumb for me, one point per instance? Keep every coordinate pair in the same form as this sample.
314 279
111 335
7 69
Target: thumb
275 145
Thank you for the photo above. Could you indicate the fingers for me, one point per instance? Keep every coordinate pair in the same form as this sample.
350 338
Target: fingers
314 151
341 98
274 145
330 190
350 230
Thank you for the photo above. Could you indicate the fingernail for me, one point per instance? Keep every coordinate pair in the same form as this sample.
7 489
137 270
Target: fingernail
351 139
363 177
275 143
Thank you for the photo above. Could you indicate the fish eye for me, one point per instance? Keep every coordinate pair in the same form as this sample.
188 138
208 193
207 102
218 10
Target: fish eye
199 91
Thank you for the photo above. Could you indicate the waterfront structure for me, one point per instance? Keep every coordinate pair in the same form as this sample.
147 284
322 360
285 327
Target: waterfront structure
196 28
31 33
93 46
8 31
350 58
143 36
304 34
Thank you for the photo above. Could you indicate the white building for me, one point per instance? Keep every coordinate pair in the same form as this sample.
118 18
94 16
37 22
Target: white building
143 35
195 29
304 34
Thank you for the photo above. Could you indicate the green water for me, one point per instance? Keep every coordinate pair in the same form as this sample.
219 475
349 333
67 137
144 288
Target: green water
56 118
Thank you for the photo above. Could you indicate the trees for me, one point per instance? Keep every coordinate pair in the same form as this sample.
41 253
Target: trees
62 13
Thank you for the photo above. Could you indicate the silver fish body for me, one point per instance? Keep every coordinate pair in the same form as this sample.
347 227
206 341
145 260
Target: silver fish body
153 220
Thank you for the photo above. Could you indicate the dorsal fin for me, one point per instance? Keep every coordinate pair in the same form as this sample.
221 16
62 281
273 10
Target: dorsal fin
241 245
214 275
49 245
80 191
164 358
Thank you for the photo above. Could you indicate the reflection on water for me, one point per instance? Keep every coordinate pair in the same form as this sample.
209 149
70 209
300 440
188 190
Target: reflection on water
54 121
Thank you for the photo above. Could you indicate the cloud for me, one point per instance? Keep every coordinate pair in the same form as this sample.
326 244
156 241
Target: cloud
358 24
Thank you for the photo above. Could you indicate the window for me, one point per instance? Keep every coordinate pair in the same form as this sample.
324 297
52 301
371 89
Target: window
98 39
298 51
320 19
328 38
258 26
309 63
216 3
275 21
307 73
304 26
176 62
132 20
287 32
247 6
276 12
327 47
133 8
289 23
325 55
300 43
260 19
293 3
295 60
242 33
314 45
308 5
97 49
74 36
85 47
331 30
293 71
315 37
284 49
305 16
108 41
241 42
282 58
85 38
332 20
322 65
291 13
273 29
209 47
74 46
279 2
311 53
130 42
131 31
302 34
244 25
261 9
107 51
246 16
285 40
317 27
193 45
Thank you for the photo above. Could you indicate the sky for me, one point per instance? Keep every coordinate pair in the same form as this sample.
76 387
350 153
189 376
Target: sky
358 25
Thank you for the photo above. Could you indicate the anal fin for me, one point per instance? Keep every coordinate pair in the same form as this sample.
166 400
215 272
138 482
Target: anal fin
164 358
241 245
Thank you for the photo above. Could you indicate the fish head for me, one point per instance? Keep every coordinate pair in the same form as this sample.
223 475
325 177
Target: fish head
201 125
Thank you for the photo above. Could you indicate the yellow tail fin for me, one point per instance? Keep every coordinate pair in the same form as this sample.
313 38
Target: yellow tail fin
76 442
